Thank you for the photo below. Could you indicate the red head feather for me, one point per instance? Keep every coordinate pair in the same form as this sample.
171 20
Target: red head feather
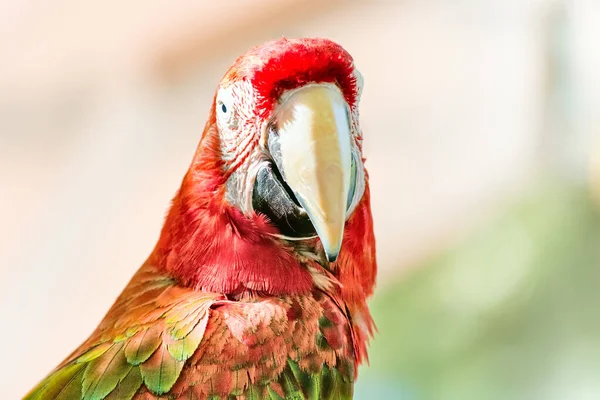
286 64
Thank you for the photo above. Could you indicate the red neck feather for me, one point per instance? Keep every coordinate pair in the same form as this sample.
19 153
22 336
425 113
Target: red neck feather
208 244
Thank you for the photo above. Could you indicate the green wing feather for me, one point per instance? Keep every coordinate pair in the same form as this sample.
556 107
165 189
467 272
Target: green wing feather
295 384
151 338
151 349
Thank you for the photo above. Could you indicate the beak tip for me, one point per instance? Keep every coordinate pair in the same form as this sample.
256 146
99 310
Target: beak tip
331 254
331 257
331 240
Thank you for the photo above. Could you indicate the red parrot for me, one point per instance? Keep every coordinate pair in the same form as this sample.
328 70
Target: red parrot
257 286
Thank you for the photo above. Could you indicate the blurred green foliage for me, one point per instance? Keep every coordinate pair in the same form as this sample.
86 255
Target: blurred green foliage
509 312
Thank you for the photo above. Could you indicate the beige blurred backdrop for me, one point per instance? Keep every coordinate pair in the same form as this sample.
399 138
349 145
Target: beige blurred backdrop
102 104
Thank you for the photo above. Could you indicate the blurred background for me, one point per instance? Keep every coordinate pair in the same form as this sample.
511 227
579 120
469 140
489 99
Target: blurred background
482 137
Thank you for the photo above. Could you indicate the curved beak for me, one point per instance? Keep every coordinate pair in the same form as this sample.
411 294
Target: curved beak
315 157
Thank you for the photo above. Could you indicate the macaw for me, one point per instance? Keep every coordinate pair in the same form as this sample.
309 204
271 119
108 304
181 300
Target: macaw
257 286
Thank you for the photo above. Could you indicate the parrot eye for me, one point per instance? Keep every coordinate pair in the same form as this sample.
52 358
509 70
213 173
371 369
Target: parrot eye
225 110
222 107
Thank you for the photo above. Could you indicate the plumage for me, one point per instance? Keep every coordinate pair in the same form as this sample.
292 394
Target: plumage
225 307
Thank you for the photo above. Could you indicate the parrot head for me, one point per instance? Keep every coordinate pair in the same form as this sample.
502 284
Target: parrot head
277 199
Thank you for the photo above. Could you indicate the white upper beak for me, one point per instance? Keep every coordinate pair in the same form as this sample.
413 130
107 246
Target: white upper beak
316 156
